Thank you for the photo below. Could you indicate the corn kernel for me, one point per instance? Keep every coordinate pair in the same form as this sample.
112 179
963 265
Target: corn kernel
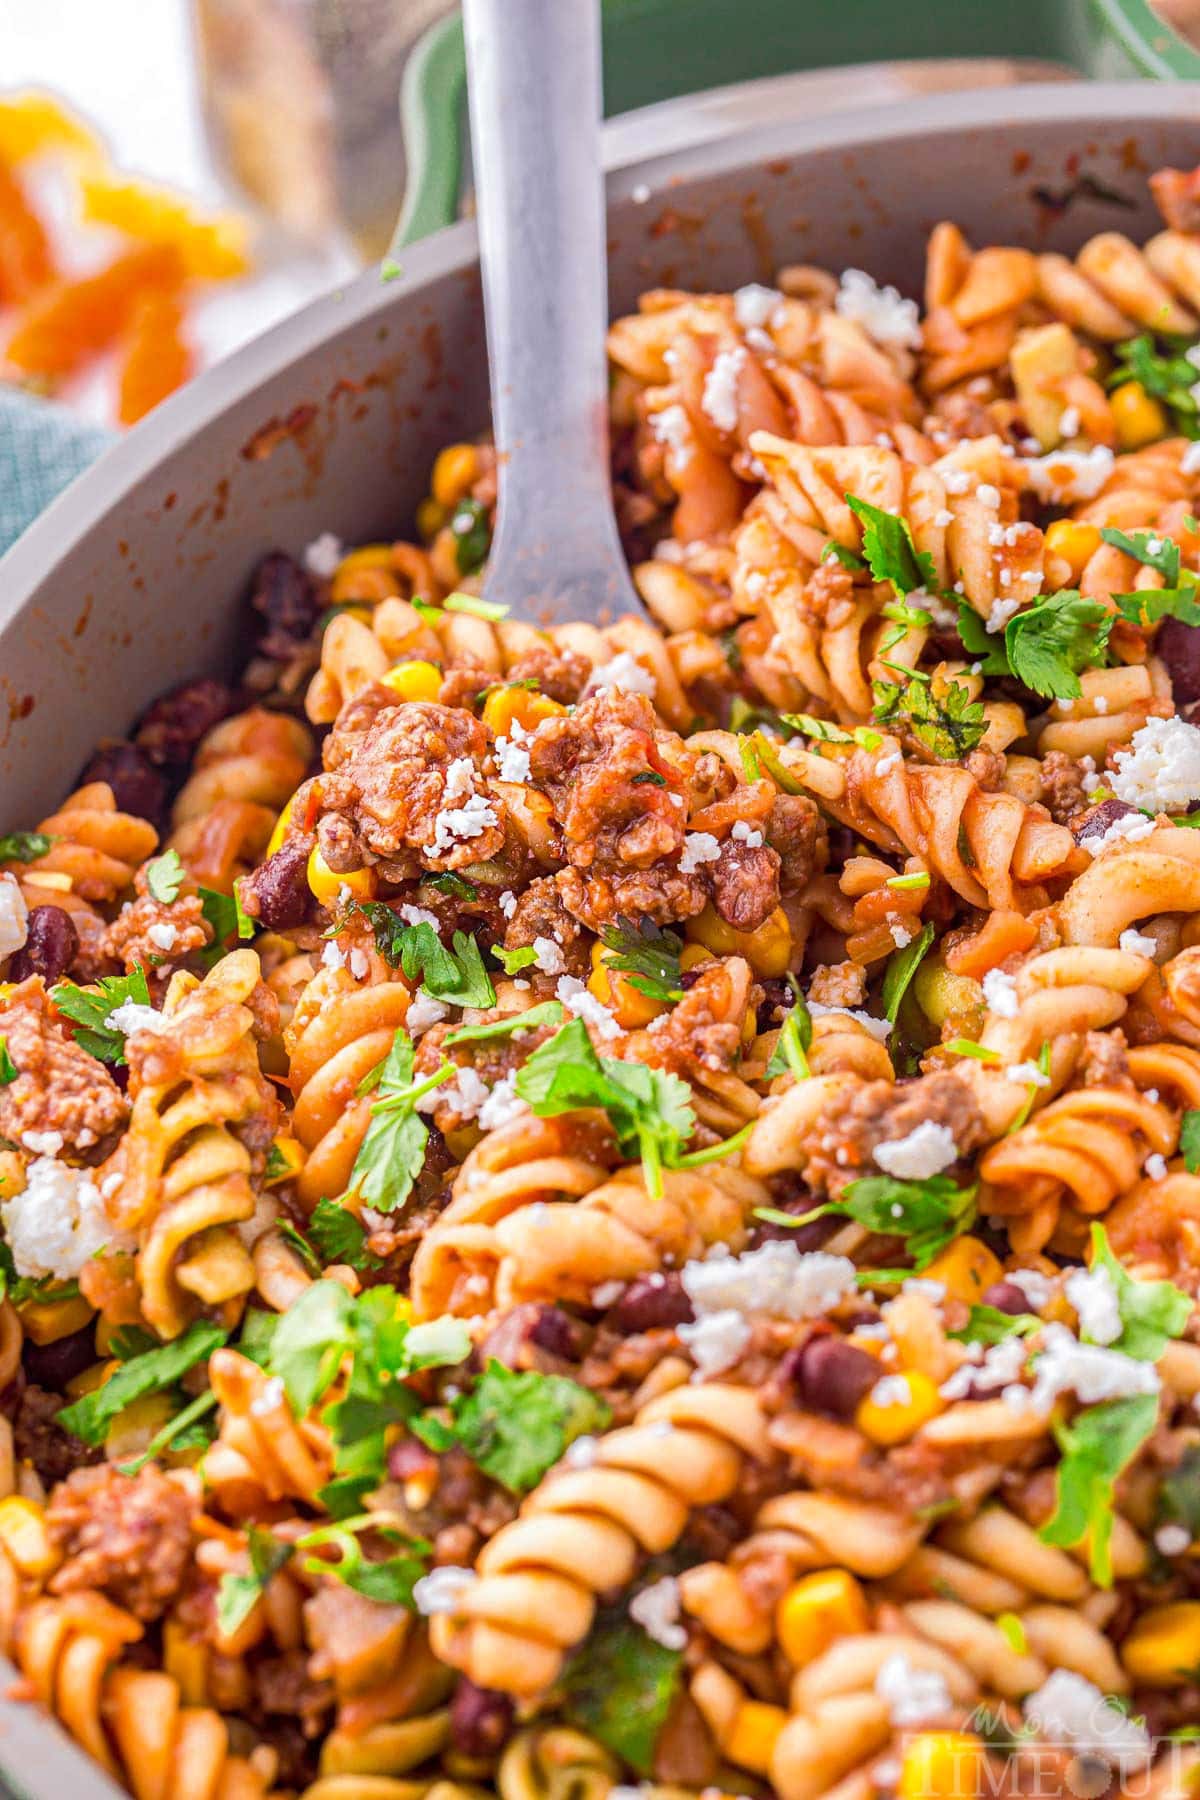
45 1321
942 1765
24 1536
768 950
326 884
751 1741
94 1376
504 704
1075 542
453 472
414 680
631 1008
287 1158
896 1423
817 1609
275 841
965 1268
942 995
431 516
1163 1648
694 956
1138 418
186 1659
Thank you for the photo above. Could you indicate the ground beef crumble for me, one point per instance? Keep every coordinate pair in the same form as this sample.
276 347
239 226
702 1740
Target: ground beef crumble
59 1087
150 933
849 1126
39 1439
128 1536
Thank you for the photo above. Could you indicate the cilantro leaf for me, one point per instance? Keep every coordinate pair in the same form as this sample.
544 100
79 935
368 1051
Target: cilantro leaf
448 882
928 1214
1178 1499
980 644
309 1341
24 846
164 876
1152 1312
456 977
472 535
948 723
90 1417
300 1244
901 968
1149 605
648 953
1169 377
188 1429
21 1288
988 1325
392 1152
1096 1446
619 1688
550 1012
1189 1140
340 1237
889 549
1048 643
8 1068
389 1581
89 1011
516 1424
825 732
513 961
238 1595
793 1044
1148 548
226 914
649 1111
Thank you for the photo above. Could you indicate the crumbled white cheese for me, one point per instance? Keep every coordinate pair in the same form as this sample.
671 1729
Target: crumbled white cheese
502 1105
719 399
1160 769
1189 462
323 555
746 834
625 672
1137 943
1068 475
1091 1371
1070 1710
1027 1074
442 1589
996 1367
548 956
672 427
1000 993
417 915
1036 1287
43 1143
14 916
609 1292
893 760
163 935
1172 1540
901 936
1100 705
423 1011
1068 424
1001 612
878 1028
927 1150
1128 829
1156 1166
576 998
776 1281
512 753
463 1094
58 1222
458 821
756 305
332 957
698 847
1093 1294
891 1390
508 903
912 1696
955 481
987 495
883 312
130 1016
943 517
715 1342
581 1452
360 963
656 1610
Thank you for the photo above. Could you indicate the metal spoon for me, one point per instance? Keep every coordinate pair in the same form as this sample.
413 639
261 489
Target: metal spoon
535 96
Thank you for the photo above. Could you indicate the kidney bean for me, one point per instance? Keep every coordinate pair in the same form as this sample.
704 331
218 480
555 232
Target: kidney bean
175 724
284 594
136 787
530 1323
277 893
53 1365
1101 817
834 1376
1179 646
480 1719
650 1302
51 946
1006 1297
407 1458
554 1332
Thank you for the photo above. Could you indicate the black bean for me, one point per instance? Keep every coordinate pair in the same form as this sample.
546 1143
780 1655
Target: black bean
1179 646
1006 1297
175 724
51 946
834 1376
480 1719
277 893
53 1365
650 1302
285 596
1101 817
136 787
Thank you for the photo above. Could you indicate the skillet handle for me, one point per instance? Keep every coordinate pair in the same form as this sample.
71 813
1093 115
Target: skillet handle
660 49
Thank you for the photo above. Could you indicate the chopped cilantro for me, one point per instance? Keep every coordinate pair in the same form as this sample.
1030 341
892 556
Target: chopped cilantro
1170 377
649 778
981 645
949 723
341 1237
516 1424
1048 643
456 976
849 559
620 1687
301 1245
472 535
988 1325
447 882
648 953
164 876
1178 1499
790 1054
889 549
8 1068
927 1214
825 732
389 1580
24 846
1152 1312
1189 1140
764 752
189 1429
513 961
1096 1446
901 968
90 1417
1148 548
392 1152
1149 605
89 1011
227 916
1031 1093
238 1595
550 1012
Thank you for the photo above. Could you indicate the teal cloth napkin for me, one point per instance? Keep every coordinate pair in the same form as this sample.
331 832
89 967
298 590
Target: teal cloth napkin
42 449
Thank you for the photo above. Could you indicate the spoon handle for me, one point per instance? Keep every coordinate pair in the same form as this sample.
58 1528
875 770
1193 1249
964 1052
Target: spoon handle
535 93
